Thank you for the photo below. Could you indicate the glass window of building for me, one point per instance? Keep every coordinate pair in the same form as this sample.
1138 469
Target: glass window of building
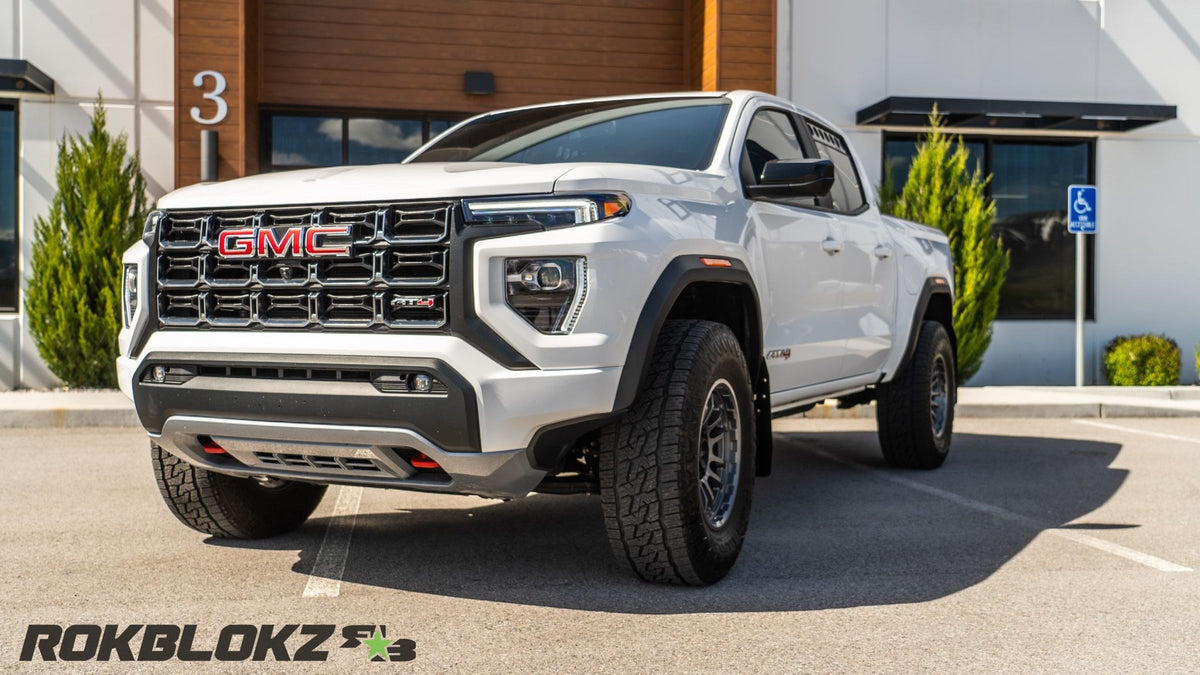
9 279
1029 185
298 140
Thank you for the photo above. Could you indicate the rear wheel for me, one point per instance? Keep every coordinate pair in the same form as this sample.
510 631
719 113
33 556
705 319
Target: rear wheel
230 507
915 411
677 469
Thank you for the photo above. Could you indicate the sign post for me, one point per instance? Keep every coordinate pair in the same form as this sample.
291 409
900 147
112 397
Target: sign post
1081 221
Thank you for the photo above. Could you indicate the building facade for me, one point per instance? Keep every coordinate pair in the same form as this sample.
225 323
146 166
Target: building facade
1107 96
1046 93
56 57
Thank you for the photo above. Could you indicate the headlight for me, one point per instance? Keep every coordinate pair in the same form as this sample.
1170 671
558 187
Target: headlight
547 292
547 211
130 293
151 227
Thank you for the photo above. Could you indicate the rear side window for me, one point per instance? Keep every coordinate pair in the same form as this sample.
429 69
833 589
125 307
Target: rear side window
847 193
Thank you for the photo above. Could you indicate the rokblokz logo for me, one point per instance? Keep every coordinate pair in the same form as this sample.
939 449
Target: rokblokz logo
236 642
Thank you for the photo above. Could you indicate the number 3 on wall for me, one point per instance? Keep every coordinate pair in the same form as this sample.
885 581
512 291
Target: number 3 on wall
214 96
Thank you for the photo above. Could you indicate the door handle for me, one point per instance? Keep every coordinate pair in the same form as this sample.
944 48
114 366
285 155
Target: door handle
831 246
883 251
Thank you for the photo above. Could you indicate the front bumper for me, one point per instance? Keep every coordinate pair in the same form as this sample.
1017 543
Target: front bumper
342 454
481 430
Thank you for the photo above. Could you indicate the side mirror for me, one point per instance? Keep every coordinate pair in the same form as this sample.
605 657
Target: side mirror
794 178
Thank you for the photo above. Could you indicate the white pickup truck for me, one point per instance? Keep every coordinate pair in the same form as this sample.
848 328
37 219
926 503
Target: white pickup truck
612 295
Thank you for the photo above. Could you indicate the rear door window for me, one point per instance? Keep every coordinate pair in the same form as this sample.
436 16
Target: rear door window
847 193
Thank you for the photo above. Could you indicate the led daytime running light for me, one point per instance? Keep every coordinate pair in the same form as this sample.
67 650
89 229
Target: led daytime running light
547 211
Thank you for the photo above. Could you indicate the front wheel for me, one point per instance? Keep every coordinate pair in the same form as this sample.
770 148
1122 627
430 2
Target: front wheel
677 469
915 411
231 507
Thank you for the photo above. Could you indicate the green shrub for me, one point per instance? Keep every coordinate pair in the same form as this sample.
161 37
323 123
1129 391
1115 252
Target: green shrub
73 302
1142 361
942 192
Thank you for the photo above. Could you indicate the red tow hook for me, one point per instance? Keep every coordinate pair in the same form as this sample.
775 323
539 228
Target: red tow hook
211 446
422 461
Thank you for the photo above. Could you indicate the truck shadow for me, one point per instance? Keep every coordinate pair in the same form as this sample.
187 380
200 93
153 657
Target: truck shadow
829 530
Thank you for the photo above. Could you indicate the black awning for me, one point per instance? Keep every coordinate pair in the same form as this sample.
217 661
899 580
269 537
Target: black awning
21 75
904 111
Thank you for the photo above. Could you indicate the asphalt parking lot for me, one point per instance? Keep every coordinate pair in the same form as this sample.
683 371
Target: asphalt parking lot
1041 545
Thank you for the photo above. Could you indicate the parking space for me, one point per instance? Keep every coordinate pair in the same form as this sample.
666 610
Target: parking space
1062 545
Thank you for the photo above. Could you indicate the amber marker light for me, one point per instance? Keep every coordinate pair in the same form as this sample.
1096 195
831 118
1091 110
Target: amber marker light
716 262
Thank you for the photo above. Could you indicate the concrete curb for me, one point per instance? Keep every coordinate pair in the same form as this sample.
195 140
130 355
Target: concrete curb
65 410
1079 410
66 418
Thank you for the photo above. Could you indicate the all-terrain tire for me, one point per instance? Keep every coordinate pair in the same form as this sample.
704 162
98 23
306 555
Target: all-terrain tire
915 411
659 517
230 507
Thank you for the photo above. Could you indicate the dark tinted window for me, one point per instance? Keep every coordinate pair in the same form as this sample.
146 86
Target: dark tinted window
376 141
680 133
771 136
8 208
899 153
1029 185
299 140
847 193
305 141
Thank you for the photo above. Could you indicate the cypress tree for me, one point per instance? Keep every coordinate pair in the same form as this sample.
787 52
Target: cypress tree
942 192
73 302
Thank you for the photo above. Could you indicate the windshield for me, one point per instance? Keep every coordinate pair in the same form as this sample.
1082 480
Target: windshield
678 133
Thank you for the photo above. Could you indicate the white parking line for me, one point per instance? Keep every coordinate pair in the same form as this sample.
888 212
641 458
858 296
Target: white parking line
1143 432
1071 535
326 578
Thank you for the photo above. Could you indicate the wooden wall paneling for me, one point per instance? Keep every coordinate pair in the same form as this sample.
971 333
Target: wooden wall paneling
746 45
208 34
412 55
386 55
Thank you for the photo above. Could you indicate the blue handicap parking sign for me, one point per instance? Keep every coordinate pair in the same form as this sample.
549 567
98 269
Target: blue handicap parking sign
1081 209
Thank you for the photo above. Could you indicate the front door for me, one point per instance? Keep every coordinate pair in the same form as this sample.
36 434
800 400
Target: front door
802 305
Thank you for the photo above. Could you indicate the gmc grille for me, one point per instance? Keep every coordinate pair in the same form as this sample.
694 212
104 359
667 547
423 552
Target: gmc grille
394 277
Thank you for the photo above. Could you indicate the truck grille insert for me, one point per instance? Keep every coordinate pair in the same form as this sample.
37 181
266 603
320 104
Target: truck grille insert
394 276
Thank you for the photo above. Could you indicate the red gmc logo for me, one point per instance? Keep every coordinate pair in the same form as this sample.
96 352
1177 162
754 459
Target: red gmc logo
291 242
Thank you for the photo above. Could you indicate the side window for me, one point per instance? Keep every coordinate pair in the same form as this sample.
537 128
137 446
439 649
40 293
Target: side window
847 193
771 135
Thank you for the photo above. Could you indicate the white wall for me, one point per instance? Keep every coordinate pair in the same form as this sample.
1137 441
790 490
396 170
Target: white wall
123 49
839 57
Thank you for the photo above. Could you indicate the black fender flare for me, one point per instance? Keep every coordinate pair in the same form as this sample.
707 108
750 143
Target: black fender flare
933 286
675 278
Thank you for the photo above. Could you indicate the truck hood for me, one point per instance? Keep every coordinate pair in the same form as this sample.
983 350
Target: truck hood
377 183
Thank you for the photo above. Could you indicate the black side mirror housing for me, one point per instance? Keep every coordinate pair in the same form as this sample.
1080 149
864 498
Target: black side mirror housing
782 179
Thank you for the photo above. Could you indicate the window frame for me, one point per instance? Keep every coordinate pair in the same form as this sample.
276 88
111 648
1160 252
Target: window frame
800 123
988 141
267 113
806 147
15 106
804 121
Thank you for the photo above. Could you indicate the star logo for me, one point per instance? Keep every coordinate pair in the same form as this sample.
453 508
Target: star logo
378 646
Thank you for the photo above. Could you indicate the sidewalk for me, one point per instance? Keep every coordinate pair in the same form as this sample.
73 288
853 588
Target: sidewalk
109 408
